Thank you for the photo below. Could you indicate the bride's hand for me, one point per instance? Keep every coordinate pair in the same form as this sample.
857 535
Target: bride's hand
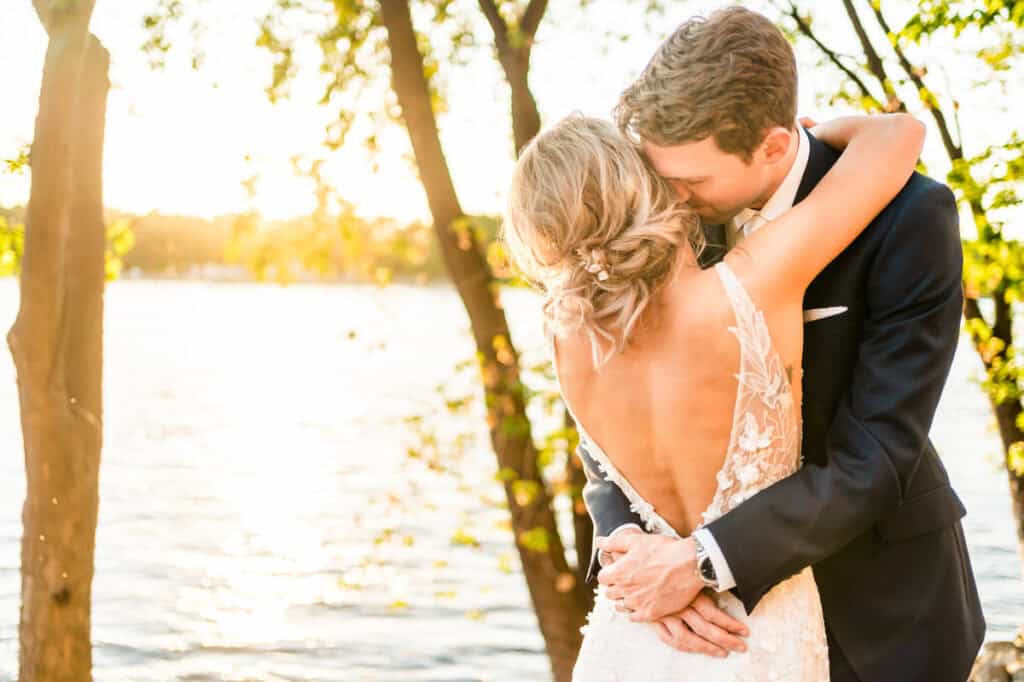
815 129
608 558
702 628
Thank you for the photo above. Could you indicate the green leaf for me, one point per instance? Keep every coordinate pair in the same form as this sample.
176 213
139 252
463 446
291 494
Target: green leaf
461 537
1015 458
535 540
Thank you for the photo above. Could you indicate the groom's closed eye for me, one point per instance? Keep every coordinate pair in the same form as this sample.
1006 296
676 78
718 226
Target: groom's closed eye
685 186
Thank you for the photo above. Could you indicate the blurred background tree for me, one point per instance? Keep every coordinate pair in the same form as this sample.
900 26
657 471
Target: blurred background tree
57 345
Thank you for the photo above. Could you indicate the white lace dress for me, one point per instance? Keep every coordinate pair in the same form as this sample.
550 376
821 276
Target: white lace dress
787 631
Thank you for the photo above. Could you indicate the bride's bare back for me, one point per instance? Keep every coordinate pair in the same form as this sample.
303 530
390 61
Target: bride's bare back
663 411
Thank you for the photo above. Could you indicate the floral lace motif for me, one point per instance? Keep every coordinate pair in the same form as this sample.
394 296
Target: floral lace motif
765 444
787 642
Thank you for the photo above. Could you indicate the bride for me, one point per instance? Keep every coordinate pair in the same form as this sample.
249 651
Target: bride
651 351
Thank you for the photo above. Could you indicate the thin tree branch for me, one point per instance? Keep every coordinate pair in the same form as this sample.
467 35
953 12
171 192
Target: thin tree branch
497 22
956 108
513 45
530 21
875 64
833 57
952 149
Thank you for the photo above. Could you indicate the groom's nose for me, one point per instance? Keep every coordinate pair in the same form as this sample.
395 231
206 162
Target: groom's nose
681 189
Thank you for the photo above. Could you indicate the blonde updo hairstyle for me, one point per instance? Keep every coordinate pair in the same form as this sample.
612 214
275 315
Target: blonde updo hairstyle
591 225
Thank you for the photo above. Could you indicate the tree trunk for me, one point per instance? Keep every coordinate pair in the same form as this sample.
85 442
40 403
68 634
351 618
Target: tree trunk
525 119
514 45
1006 416
56 344
514 57
551 583
1007 412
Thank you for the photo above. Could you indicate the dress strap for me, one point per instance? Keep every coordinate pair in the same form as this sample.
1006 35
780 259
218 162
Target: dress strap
750 328
738 296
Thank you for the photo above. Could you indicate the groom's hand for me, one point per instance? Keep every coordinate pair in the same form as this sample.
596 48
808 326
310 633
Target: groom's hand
703 628
653 575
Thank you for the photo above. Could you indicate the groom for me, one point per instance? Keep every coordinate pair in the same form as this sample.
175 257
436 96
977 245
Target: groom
872 510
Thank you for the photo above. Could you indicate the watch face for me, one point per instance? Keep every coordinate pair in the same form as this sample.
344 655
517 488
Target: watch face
707 570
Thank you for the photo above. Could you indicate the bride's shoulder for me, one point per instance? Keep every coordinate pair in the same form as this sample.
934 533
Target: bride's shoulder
695 305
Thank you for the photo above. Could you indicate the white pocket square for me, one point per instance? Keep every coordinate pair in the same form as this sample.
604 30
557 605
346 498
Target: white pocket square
812 314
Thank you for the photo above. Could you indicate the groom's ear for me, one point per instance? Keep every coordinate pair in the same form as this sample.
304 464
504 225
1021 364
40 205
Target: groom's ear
775 144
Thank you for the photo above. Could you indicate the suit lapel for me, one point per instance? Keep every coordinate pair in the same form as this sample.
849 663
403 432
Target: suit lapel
819 159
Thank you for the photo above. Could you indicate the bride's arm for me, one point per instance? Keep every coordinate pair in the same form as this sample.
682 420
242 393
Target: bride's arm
838 132
787 253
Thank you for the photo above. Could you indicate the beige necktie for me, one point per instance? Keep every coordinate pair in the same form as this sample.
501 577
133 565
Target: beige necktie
744 224
755 223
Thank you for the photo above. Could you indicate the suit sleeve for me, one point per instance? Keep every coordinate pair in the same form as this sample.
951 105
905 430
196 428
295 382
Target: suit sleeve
607 504
879 433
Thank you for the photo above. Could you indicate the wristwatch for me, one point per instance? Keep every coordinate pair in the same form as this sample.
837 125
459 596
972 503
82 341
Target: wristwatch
705 569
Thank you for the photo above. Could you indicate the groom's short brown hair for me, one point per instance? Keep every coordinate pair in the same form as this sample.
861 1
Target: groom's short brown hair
731 76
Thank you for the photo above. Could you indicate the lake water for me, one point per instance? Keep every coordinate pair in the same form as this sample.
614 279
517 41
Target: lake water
260 518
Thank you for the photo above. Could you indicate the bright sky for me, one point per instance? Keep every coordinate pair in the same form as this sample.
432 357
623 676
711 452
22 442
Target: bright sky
177 139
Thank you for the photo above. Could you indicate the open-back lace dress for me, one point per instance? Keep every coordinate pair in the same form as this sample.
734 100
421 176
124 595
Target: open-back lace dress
787 631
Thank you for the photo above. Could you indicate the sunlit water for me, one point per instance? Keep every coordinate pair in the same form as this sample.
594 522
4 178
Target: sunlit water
261 519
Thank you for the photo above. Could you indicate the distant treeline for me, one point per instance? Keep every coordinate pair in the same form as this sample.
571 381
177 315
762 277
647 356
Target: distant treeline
345 248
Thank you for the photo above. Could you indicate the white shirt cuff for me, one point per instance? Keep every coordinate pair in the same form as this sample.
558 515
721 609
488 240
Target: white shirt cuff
603 558
721 566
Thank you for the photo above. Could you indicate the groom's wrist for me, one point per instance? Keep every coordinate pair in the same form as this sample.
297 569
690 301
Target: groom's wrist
703 566
687 565
723 572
